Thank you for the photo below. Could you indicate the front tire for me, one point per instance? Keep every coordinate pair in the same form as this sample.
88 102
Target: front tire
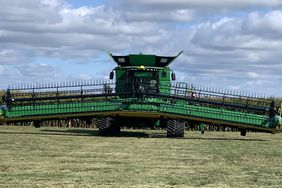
175 128
37 124
243 132
107 127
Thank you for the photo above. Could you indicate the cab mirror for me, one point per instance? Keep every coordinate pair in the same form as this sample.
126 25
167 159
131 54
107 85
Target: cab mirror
111 75
173 76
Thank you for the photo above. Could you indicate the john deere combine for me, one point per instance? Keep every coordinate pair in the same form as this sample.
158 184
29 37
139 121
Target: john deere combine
144 93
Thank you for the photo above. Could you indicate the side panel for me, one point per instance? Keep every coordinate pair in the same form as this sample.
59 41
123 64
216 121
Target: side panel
120 80
164 80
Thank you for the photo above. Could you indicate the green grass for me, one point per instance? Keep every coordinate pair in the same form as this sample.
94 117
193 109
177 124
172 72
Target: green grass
61 157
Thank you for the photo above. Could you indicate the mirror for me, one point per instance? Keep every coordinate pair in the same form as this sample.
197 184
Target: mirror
173 76
111 75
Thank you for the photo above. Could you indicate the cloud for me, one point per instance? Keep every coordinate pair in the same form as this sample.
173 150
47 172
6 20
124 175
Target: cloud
222 53
267 25
58 30
222 4
222 46
253 74
37 70
179 15
30 11
2 69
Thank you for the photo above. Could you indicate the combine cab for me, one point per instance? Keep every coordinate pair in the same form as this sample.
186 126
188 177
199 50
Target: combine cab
143 93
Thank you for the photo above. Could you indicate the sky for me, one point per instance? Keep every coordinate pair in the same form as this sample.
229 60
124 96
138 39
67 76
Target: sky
231 44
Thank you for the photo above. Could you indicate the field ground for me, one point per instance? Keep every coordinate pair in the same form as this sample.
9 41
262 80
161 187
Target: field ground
61 157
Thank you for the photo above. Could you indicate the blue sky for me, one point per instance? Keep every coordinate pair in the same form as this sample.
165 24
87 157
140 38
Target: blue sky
231 44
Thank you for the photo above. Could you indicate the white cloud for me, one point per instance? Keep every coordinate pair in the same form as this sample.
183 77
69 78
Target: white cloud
37 70
267 25
220 47
253 74
178 15
230 4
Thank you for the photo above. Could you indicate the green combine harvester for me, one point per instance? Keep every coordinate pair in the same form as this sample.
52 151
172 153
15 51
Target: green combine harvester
144 93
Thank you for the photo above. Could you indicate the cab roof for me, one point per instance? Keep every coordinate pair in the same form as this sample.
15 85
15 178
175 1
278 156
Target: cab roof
144 59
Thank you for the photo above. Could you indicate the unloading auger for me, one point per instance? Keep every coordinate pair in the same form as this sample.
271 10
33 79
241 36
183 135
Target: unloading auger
143 93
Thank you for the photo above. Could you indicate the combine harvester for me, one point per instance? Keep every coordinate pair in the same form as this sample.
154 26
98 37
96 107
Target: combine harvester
144 93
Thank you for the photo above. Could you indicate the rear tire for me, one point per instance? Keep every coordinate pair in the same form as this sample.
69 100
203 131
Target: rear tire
37 124
243 132
107 127
175 128
104 125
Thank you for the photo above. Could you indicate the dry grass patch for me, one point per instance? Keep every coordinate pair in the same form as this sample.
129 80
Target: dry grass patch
60 157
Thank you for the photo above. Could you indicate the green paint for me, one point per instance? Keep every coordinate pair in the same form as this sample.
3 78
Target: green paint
148 104
141 80
145 60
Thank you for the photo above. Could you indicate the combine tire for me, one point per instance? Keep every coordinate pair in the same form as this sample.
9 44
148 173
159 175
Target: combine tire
107 127
243 132
104 125
37 124
88 121
175 128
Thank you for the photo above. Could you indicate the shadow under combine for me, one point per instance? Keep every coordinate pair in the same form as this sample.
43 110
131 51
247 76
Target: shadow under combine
128 133
89 132
123 133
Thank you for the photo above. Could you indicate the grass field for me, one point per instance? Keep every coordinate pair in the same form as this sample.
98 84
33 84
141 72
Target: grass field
61 157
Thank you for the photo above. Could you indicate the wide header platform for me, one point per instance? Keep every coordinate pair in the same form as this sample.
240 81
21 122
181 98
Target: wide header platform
144 59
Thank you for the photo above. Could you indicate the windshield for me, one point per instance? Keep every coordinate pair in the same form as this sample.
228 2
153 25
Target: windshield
142 81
